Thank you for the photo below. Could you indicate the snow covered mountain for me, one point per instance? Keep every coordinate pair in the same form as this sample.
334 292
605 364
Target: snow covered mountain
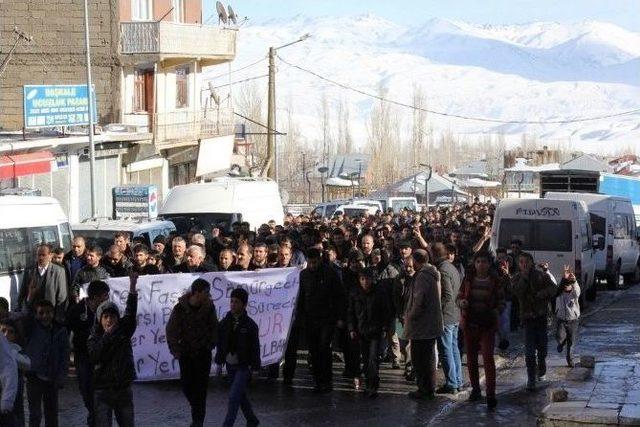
537 72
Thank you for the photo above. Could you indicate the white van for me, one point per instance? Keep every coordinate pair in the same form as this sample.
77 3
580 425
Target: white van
222 202
26 222
553 231
101 231
327 209
399 203
614 233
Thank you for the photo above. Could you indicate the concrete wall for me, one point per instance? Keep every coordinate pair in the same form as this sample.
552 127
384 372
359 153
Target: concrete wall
56 54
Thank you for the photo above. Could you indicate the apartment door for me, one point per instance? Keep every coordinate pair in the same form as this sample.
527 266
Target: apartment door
143 101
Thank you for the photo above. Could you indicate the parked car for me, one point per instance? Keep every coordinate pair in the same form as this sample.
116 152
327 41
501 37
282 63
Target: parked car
399 203
26 222
327 209
554 231
354 210
101 231
613 225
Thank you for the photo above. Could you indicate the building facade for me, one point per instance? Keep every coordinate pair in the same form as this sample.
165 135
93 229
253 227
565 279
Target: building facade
158 121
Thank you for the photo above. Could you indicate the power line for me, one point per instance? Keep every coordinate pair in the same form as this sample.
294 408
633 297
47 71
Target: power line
458 116
237 70
242 81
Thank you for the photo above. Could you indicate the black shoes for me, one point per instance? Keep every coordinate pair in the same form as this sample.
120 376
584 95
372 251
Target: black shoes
475 396
492 402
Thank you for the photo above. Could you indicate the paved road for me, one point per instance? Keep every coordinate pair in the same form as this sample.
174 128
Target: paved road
613 329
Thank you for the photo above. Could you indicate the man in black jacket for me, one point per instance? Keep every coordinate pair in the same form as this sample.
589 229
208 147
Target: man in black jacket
80 320
115 263
110 351
192 332
90 272
239 349
448 342
322 308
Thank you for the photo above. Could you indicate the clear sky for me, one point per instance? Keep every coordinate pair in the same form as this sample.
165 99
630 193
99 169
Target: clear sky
625 13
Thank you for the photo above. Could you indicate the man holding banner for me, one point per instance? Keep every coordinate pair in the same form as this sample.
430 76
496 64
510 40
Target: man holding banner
192 331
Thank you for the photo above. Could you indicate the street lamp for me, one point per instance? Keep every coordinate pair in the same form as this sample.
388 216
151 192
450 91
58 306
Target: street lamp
322 170
272 171
426 182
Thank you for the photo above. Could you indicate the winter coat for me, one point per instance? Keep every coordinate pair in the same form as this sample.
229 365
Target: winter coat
482 311
48 350
321 298
120 269
72 265
401 287
8 376
147 270
88 274
52 287
450 282
422 313
202 268
111 353
192 329
80 321
534 292
370 313
241 336
567 306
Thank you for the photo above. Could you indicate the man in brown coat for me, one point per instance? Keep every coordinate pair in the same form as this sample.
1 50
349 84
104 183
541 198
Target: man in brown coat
192 332
423 323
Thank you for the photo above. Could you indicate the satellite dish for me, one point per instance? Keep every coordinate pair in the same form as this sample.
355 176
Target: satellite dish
213 94
233 17
222 13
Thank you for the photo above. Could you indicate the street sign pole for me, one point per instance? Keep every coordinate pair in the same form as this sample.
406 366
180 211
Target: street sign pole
92 149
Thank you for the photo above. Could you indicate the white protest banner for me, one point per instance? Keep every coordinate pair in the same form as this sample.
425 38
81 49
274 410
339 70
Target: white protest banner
272 298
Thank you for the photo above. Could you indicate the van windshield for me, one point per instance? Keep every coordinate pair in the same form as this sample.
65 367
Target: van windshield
18 246
547 235
203 222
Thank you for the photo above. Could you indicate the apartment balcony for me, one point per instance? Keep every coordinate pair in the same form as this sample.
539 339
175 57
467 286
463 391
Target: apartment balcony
186 127
170 41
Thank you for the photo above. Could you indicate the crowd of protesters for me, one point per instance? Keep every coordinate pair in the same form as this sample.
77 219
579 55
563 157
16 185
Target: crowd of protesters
412 289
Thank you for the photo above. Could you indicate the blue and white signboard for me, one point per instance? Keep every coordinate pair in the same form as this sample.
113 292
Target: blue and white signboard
135 201
57 105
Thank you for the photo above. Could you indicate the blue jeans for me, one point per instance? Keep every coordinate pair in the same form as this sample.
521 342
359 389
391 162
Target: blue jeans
239 377
450 356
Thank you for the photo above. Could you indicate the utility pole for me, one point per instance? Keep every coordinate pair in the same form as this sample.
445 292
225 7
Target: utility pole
272 154
272 172
19 36
92 148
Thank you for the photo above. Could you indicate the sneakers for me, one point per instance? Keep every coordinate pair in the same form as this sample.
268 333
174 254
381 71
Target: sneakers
492 402
475 395
445 389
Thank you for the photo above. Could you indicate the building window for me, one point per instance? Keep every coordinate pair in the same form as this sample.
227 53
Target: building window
178 10
182 87
141 10
139 103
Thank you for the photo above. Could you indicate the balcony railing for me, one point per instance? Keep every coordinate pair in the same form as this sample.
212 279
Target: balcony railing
188 125
170 39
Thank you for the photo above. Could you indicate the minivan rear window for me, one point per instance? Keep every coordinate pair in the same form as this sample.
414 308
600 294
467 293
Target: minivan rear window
18 246
547 235
203 222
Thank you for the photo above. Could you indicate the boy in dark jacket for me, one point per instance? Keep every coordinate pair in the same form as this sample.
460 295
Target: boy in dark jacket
370 318
81 319
192 332
110 351
239 349
48 348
